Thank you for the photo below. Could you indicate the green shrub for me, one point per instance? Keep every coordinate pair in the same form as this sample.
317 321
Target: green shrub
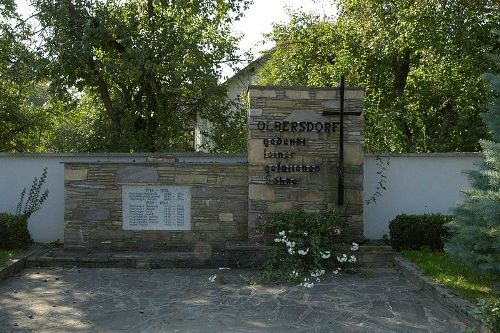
14 232
489 310
414 232
306 246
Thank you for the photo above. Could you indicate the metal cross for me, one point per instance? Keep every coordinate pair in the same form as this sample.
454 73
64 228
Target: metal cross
340 164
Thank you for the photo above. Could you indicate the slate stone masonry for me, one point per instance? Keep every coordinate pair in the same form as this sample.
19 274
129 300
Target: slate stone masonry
287 122
292 163
93 205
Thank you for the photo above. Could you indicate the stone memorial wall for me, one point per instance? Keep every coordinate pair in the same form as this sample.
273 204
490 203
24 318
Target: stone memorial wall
293 153
154 206
167 204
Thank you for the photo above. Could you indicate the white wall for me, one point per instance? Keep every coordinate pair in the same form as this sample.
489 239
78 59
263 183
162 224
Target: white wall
18 170
416 184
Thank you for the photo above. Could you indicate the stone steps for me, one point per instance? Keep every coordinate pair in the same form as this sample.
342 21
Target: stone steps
236 255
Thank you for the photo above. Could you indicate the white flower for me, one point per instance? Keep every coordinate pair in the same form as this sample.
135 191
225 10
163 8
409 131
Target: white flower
337 271
305 233
282 233
277 240
294 274
302 252
325 255
336 231
212 278
291 251
352 259
343 258
223 268
307 284
318 273
354 247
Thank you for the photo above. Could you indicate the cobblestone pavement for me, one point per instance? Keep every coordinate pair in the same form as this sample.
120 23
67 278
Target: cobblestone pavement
183 300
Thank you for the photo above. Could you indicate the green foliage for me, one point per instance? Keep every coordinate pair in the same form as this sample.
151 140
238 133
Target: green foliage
5 256
305 246
141 70
414 232
476 227
229 136
420 63
21 119
465 281
35 197
14 232
489 310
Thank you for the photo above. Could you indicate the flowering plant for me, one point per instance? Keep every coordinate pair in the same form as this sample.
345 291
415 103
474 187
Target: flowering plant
307 246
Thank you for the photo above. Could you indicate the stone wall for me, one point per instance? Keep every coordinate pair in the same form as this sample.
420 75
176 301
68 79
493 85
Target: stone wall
93 205
293 153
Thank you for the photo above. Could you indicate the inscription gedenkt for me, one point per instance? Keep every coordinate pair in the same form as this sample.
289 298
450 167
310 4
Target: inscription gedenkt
155 207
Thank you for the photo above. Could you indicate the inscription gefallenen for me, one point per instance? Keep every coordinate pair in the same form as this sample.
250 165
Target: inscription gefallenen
286 168
154 207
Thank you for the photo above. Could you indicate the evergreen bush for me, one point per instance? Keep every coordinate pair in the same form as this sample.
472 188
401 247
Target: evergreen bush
14 232
414 232
476 226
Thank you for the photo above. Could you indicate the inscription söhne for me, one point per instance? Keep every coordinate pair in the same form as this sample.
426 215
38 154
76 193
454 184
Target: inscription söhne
297 126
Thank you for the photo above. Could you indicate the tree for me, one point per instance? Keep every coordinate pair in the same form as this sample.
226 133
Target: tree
476 226
144 68
20 118
419 61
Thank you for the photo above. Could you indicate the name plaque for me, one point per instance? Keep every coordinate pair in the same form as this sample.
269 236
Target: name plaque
154 207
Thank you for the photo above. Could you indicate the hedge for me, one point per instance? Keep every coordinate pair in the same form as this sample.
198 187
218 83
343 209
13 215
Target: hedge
14 232
414 232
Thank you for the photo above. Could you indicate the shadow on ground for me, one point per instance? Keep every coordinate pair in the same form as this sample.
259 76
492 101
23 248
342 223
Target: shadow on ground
183 300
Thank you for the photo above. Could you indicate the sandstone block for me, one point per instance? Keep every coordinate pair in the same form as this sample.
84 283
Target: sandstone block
136 174
261 192
91 214
280 103
255 112
266 93
353 196
256 151
226 217
354 94
277 207
310 196
297 94
326 94
75 174
353 153
191 179
109 194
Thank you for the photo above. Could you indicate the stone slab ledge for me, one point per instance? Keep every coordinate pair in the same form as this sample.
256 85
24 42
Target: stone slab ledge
464 309
17 264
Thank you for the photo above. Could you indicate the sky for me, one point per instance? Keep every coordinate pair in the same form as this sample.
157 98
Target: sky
257 20
261 15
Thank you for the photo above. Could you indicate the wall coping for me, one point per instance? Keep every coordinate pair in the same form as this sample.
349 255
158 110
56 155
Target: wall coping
155 163
447 154
131 155
219 155
305 88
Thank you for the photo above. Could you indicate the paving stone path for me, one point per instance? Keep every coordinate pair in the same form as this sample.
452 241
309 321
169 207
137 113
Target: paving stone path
183 300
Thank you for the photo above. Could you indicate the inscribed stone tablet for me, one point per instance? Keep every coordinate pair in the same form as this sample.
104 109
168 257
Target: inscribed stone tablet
155 207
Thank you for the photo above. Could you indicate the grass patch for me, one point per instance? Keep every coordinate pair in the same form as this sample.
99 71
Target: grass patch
466 282
5 255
